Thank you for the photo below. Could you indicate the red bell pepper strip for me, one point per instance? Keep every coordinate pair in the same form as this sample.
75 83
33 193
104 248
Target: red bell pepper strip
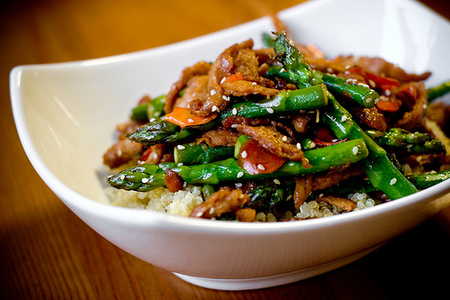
257 160
183 117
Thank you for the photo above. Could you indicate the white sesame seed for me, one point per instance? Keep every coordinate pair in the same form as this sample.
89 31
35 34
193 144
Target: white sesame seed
240 174
261 167
181 147
199 214
190 120
238 184
253 83
122 177
119 152
234 126
270 110
179 164
299 146
276 181
355 150
372 83
211 210
343 118
284 138
387 92
224 97
215 108
234 111
223 80
244 154
184 184
212 93
393 181
144 180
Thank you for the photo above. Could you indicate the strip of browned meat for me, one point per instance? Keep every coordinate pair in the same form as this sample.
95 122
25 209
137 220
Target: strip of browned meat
275 142
242 88
219 137
200 68
223 201
344 203
417 94
222 67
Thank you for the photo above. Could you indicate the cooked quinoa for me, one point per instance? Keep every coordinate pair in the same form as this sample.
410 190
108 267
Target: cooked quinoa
184 201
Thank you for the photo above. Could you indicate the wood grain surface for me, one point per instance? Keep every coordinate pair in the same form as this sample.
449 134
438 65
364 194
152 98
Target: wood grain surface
47 252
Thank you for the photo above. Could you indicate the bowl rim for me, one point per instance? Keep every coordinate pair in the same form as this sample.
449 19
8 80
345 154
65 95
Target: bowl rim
147 217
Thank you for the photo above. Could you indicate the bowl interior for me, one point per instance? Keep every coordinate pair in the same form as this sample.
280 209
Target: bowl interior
66 113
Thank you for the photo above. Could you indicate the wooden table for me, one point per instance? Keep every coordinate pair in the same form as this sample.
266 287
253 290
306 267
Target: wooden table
46 252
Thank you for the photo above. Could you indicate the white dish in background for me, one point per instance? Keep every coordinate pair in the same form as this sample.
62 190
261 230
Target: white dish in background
65 114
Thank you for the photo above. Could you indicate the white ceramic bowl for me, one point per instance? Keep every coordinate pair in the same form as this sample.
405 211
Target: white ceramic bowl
65 114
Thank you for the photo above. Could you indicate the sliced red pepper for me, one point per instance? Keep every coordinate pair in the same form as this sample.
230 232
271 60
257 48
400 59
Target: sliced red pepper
234 77
385 83
257 160
183 117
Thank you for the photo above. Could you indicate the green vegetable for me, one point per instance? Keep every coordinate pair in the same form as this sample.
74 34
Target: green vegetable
283 103
146 177
294 62
438 91
362 94
239 142
359 93
198 154
382 173
403 140
159 131
156 107
423 181
149 110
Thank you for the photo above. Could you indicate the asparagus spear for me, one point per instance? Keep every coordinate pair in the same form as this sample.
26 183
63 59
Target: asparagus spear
411 142
360 93
160 131
283 103
152 109
294 62
420 181
198 154
146 177
380 170
438 91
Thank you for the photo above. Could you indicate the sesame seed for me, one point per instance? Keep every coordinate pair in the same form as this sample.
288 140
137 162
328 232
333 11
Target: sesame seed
276 181
240 174
270 110
212 93
372 83
387 92
244 154
376 100
184 184
224 97
393 181
215 108
261 167
355 150
253 83
199 214
223 80
234 126
119 152
179 164
343 118
211 210
289 197
144 180
122 177
181 147
190 120
234 111
299 146
238 184
284 138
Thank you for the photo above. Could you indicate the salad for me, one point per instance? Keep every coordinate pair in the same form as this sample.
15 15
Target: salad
284 133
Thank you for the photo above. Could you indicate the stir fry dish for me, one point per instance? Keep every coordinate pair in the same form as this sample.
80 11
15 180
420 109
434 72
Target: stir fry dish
281 133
